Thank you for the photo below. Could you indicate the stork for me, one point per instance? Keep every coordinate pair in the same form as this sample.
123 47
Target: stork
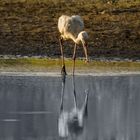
72 28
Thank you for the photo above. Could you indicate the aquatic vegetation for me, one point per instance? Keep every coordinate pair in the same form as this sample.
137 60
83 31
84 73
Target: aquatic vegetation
53 65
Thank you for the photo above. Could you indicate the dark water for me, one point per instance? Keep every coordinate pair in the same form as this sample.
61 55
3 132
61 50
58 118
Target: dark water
29 107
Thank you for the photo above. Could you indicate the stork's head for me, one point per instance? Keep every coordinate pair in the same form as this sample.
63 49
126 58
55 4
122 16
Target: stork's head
83 37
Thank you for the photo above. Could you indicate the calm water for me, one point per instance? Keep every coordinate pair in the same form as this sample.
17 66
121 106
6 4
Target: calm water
30 106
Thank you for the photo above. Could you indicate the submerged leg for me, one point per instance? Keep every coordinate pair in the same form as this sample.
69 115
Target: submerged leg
85 105
63 70
62 92
74 58
86 52
74 92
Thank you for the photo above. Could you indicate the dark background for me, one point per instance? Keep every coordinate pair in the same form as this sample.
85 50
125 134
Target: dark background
30 28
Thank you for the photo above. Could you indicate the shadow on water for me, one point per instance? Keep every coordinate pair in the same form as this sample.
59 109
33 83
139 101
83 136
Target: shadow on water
31 108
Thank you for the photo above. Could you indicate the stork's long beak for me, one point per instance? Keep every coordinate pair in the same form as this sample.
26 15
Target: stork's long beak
85 46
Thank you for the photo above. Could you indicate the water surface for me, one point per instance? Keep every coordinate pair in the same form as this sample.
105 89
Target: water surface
30 106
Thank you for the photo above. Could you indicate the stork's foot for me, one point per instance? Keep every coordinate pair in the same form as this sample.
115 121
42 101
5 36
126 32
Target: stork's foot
63 70
87 61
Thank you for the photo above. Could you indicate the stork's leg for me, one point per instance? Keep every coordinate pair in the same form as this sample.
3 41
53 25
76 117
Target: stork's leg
86 52
73 78
74 58
63 70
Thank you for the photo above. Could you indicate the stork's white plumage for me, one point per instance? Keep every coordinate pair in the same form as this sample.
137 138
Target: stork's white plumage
70 27
73 28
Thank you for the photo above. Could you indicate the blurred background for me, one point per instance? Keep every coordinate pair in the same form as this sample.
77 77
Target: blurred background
29 27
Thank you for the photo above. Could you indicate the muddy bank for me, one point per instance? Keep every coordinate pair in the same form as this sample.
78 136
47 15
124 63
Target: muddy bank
46 65
31 28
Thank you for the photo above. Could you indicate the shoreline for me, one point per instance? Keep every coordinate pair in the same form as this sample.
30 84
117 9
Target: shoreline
116 59
57 74
48 67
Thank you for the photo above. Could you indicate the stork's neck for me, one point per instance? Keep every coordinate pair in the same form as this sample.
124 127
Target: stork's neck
76 40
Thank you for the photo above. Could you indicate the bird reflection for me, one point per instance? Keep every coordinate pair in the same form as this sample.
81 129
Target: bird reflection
71 123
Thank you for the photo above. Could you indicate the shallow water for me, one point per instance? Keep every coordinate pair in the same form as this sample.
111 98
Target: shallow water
30 106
